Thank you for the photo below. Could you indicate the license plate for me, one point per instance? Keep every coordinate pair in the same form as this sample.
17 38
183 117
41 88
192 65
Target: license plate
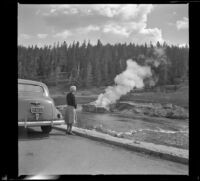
37 109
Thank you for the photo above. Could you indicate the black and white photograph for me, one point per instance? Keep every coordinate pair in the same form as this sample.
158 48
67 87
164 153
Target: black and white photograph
103 89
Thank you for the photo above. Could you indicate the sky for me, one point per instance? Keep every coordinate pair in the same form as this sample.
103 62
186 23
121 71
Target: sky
111 23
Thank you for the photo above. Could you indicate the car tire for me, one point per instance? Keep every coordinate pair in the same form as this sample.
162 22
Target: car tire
46 129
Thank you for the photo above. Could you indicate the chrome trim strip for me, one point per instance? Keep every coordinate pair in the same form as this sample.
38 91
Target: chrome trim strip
25 123
40 123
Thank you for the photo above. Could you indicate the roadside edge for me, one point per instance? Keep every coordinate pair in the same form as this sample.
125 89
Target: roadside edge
161 151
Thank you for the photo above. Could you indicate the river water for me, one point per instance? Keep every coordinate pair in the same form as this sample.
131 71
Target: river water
125 124
165 131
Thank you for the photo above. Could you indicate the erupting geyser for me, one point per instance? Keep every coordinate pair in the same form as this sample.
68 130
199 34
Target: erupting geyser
131 78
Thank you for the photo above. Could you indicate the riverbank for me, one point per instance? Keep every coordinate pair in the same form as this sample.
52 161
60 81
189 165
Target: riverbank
129 125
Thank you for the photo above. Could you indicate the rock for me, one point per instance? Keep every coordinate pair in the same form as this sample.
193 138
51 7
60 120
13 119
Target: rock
160 112
150 109
137 111
101 110
112 107
88 108
177 114
168 106
91 107
124 105
169 114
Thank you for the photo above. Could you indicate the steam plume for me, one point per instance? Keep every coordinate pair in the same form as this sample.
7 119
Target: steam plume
131 78
158 59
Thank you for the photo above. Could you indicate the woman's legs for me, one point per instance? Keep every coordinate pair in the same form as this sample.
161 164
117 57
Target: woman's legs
68 128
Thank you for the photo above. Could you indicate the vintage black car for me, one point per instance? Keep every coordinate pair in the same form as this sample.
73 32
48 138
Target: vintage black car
36 107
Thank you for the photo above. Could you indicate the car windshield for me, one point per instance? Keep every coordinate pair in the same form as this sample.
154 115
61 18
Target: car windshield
30 88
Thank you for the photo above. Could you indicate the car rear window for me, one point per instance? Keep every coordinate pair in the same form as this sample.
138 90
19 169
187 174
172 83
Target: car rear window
30 88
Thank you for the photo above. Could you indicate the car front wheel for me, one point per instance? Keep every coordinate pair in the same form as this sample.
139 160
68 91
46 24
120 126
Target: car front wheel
46 129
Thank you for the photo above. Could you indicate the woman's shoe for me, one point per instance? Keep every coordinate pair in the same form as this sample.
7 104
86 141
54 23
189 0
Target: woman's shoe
71 133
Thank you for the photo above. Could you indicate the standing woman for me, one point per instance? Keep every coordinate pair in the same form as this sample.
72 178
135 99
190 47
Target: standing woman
70 113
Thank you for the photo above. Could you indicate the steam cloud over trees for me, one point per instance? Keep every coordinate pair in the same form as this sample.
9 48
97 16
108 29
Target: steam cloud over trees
131 78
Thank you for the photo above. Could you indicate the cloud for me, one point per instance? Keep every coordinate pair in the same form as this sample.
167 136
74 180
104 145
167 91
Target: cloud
78 31
182 24
24 36
42 36
116 29
38 12
110 10
171 24
88 29
110 22
125 12
154 35
64 34
83 9
133 32
72 21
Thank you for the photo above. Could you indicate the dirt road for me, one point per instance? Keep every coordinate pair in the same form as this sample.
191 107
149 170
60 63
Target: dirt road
58 154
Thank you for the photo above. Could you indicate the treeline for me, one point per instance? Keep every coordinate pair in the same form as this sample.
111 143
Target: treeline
95 65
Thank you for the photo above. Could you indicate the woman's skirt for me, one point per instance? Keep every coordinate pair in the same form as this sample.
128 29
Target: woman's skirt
70 115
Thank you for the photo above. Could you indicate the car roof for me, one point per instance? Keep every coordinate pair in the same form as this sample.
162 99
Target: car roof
26 81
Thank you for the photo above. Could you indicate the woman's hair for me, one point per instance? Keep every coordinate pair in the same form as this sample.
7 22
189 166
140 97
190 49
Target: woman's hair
72 88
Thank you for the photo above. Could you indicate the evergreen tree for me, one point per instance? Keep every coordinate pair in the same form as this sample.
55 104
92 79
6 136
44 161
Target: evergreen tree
89 75
98 64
